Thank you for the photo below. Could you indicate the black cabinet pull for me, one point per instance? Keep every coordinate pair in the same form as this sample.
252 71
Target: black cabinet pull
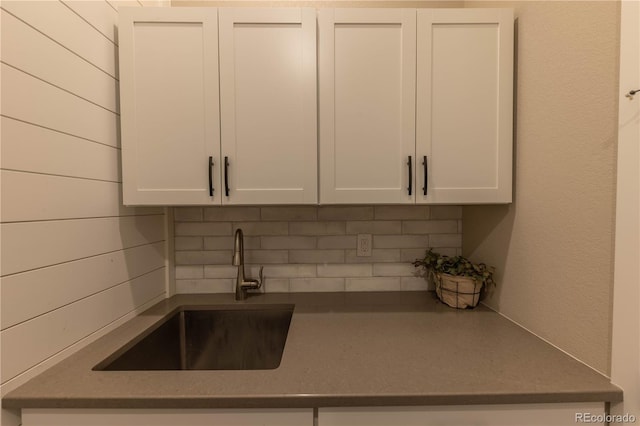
426 174
210 176
410 176
226 176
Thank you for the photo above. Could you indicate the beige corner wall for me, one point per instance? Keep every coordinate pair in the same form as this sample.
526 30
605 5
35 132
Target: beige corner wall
553 247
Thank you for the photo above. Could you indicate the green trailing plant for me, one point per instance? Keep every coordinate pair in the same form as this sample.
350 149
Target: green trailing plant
457 265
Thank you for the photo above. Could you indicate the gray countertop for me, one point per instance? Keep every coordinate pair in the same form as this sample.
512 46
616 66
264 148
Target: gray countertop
343 349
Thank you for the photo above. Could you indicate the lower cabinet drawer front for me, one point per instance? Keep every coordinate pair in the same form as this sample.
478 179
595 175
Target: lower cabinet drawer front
564 414
167 417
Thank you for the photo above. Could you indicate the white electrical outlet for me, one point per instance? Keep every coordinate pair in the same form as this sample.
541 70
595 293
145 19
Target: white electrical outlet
364 245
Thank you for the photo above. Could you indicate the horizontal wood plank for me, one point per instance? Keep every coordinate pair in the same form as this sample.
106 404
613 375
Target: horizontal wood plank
65 27
99 14
32 245
116 4
34 341
30 51
55 108
29 148
69 282
55 197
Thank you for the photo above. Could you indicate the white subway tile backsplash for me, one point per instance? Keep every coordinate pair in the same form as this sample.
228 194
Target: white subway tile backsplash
316 256
187 214
446 212
287 271
379 227
430 227
220 271
401 241
317 228
373 284
289 213
345 213
226 243
377 256
188 243
350 270
337 242
189 272
414 284
262 228
288 242
217 257
204 286
394 270
186 229
402 212
265 256
316 284
231 214
312 248
409 255
275 285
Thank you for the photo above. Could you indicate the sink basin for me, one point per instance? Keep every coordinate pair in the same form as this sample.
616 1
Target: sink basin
202 338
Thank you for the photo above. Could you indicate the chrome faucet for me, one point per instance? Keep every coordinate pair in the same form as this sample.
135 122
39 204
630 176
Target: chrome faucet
242 284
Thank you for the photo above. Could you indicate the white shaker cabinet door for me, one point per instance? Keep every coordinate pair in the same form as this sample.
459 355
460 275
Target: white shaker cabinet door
464 105
268 105
367 105
169 106
543 414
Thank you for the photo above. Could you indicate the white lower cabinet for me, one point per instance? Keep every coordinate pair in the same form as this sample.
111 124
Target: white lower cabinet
466 415
167 417
560 414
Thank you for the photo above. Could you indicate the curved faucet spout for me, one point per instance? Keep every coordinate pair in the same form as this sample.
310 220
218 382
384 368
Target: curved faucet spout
238 248
242 284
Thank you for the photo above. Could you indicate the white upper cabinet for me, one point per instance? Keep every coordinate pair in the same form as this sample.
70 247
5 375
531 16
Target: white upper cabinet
169 105
367 66
228 106
268 105
465 105
438 135
255 142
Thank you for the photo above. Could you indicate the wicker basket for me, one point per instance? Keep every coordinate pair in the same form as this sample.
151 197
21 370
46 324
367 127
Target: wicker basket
456 291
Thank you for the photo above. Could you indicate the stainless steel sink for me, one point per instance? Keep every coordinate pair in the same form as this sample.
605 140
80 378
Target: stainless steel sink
209 339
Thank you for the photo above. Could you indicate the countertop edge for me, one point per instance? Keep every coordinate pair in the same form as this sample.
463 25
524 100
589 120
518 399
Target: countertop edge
316 401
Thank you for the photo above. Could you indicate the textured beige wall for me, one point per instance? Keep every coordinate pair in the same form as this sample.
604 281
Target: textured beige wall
553 247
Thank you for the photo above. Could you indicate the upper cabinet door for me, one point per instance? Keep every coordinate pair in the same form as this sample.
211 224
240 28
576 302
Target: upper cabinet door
465 105
367 105
169 106
268 105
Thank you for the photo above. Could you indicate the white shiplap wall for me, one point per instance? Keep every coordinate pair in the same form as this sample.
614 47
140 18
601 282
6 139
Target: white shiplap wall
74 262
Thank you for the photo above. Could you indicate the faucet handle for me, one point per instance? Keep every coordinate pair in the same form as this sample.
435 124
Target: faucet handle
261 277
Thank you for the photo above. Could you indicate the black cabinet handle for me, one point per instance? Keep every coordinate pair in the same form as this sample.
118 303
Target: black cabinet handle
210 176
410 176
426 174
226 176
